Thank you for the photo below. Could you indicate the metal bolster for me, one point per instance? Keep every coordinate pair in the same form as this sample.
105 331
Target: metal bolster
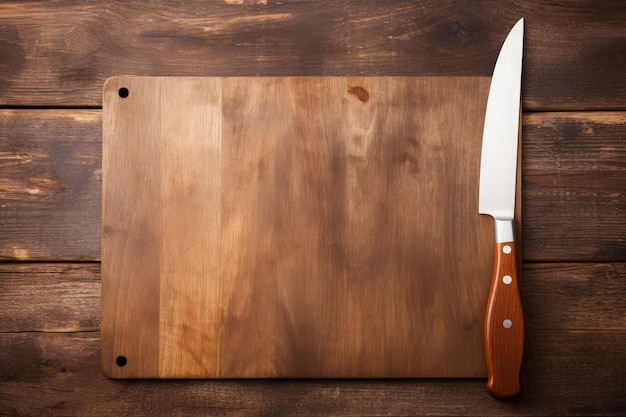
505 231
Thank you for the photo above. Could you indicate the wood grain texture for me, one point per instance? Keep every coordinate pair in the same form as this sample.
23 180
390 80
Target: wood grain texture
50 184
49 297
59 53
574 189
574 362
135 301
191 173
559 296
504 343
573 185
297 227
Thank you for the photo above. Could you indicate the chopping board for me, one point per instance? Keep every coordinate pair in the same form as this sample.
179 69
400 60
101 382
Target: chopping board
293 227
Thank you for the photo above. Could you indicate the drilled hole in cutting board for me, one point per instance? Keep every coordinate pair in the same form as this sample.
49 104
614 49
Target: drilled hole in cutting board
121 361
123 92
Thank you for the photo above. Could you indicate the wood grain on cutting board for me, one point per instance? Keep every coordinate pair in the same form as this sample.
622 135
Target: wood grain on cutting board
294 227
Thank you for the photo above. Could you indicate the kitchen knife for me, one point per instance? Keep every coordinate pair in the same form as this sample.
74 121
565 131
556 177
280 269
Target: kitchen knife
504 324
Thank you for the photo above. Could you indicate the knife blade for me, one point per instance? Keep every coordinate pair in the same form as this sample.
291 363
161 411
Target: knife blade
504 324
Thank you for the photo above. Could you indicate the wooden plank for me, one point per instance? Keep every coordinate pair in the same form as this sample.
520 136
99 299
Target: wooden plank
572 170
565 373
50 184
303 226
134 300
573 365
59 53
193 295
574 296
45 297
574 186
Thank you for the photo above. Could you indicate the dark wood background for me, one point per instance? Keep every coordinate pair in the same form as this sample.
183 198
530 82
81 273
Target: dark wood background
54 58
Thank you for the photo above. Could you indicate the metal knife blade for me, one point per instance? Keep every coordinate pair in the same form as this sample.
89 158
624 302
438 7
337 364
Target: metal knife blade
504 324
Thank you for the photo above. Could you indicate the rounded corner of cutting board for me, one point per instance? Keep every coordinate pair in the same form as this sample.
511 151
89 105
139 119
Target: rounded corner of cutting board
111 83
106 368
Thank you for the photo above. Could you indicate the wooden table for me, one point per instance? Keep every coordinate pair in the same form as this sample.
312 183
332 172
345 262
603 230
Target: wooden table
54 58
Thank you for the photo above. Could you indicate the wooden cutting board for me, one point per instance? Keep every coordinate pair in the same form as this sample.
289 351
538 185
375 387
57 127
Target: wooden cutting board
293 227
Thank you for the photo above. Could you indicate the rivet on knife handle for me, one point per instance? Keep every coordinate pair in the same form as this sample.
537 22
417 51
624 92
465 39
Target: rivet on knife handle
504 325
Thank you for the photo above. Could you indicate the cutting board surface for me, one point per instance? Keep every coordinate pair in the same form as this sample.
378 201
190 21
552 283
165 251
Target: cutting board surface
293 227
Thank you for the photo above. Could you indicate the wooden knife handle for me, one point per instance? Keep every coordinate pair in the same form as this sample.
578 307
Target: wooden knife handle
504 325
